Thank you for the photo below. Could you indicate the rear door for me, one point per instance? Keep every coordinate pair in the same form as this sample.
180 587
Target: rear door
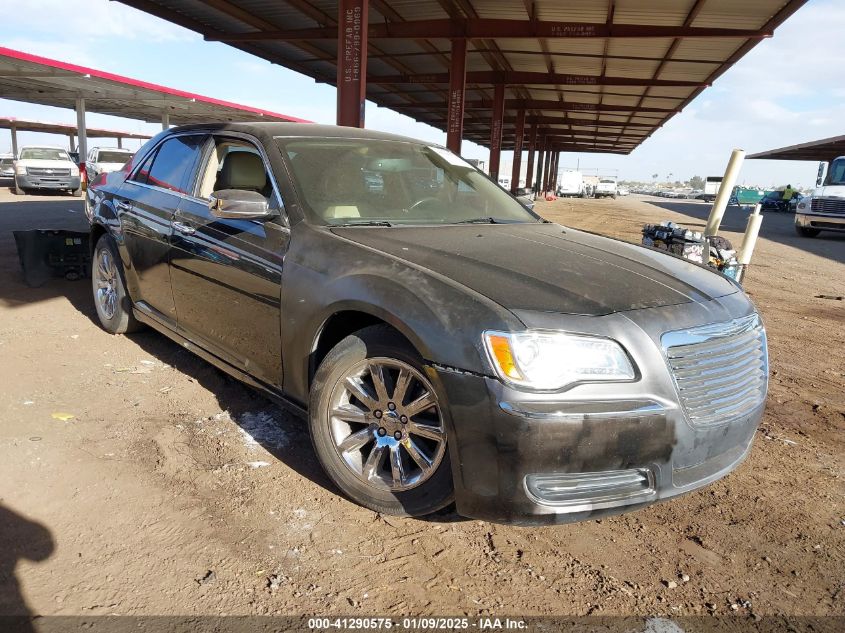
227 273
146 203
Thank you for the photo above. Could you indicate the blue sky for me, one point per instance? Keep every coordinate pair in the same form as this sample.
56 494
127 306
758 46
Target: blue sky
787 90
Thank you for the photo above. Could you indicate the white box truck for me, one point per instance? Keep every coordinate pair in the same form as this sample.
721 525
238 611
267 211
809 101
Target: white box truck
711 188
824 209
570 183
606 188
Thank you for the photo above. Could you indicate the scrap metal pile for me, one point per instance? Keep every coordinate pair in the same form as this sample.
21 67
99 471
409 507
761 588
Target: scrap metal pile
715 251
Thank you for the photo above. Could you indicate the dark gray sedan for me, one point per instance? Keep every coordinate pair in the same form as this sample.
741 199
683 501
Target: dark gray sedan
444 343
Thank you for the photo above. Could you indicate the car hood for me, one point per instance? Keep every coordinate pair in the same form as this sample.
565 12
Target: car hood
46 164
547 267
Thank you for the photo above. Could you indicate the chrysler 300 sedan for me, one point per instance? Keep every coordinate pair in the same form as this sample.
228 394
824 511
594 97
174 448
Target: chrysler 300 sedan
445 344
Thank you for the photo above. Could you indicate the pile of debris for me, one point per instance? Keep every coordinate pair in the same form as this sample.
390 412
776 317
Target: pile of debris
715 251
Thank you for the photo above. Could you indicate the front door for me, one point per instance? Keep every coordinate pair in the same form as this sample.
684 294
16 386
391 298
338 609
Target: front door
227 273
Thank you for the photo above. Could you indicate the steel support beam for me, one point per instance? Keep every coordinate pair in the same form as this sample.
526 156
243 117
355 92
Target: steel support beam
517 150
486 28
81 133
165 120
496 131
540 79
532 149
71 139
541 161
457 85
352 42
120 142
562 106
547 167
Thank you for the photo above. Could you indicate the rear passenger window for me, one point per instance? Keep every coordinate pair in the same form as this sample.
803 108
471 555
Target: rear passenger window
174 163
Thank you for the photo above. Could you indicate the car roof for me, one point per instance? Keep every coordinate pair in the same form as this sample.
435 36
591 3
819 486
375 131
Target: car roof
279 129
42 147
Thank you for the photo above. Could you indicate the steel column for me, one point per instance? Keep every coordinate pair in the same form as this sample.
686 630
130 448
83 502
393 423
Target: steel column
541 161
14 130
82 133
496 130
532 149
547 170
352 29
120 142
457 82
70 140
165 120
517 150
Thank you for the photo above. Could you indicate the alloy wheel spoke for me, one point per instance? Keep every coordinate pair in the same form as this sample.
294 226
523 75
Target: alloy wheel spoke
396 468
426 430
350 413
419 405
371 466
356 387
417 455
377 374
357 440
401 386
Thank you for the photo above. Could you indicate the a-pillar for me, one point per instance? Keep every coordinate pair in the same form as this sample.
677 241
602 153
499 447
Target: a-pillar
519 138
457 85
532 149
352 20
165 120
82 133
496 130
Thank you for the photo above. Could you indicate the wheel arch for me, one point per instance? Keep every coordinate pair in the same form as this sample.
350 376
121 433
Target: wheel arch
347 319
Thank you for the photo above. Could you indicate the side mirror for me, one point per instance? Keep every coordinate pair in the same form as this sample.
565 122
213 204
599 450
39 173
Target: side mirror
238 204
822 173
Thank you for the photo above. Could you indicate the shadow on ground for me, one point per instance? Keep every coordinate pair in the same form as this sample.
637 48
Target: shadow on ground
20 539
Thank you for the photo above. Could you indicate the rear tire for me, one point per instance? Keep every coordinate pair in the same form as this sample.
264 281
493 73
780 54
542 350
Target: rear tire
804 231
112 302
409 475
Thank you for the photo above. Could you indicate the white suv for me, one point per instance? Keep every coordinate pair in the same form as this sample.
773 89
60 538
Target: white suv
45 167
102 160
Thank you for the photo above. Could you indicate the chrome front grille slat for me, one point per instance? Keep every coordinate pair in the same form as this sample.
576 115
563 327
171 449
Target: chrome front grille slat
828 205
720 369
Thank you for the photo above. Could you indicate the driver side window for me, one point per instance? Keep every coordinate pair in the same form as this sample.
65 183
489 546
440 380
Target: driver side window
235 164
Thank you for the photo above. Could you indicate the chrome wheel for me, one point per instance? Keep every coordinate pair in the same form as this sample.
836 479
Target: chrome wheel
386 425
105 276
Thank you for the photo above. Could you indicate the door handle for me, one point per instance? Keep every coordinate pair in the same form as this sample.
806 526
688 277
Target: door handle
123 205
184 228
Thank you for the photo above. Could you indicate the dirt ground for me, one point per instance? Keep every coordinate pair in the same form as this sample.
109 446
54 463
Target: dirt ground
173 489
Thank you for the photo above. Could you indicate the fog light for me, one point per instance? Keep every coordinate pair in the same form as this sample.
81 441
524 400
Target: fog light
574 492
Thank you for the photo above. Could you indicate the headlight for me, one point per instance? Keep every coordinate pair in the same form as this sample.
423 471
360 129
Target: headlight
74 171
805 203
20 170
550 360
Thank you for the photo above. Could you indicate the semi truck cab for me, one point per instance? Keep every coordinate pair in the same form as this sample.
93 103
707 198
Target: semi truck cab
824 209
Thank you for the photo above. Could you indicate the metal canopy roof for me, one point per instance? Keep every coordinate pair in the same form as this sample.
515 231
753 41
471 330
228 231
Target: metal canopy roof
600 75
67 129
824 149
34 79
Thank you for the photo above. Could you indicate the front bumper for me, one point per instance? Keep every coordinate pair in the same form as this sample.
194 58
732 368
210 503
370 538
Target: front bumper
826 222
513 452
47 182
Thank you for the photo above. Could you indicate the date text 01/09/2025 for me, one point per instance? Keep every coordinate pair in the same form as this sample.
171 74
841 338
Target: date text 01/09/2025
417 623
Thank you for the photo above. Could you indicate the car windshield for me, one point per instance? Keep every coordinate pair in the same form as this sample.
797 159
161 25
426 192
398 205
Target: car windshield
5 162
43 153
836 173
113 157
365 181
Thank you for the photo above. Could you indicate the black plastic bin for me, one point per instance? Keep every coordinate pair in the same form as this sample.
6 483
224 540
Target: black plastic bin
49 253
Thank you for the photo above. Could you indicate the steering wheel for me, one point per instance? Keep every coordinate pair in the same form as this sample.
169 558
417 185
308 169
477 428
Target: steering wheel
422 201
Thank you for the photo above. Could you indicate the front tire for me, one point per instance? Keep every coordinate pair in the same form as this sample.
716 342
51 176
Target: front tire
804 231
114 307
377 425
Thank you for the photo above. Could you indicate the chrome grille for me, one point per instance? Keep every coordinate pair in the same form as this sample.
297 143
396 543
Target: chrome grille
721 370
828 205
58 172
